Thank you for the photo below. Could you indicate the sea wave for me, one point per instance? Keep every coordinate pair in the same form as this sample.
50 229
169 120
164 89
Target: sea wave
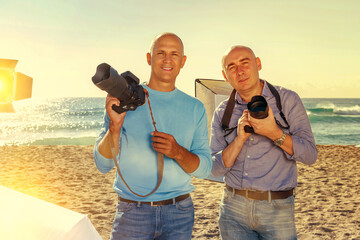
354 110
332 109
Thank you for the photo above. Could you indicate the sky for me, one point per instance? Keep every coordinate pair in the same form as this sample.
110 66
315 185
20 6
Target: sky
311 47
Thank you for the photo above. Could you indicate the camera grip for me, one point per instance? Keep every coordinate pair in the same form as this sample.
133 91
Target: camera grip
118 109
248 129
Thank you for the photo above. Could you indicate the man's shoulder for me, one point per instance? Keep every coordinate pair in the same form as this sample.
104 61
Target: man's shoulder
220 109
189 99
288 98
285 92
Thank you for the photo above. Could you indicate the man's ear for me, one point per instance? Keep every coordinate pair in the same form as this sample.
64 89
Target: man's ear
148 58
224 74
258 61
183 61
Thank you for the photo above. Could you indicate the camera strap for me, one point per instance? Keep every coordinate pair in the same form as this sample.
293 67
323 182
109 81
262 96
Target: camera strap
160 157
231 103
278 104
228 110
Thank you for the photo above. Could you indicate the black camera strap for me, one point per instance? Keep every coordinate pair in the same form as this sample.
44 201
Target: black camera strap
231 103
160 158
228 110
279 106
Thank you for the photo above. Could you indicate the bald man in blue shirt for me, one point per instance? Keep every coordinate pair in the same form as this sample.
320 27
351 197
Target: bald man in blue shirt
182 139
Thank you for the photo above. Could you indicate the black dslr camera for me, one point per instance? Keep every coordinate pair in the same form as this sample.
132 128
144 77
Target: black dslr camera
258 108
124 87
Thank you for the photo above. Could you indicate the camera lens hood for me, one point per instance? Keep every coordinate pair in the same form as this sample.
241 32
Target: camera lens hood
107 79
258 107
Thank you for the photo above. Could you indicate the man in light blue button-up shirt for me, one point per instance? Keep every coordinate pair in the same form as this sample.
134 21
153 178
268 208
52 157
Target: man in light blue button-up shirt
259 168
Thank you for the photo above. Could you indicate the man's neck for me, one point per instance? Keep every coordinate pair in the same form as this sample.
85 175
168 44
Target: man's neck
248 94
161 86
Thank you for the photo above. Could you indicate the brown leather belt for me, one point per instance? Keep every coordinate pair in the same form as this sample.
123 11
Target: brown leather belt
261 195
158 203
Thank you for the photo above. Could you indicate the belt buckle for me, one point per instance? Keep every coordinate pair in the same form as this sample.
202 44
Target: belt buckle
153 204
247 195
247 191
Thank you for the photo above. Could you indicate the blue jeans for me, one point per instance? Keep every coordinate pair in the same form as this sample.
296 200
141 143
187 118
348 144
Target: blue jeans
241 218
143 221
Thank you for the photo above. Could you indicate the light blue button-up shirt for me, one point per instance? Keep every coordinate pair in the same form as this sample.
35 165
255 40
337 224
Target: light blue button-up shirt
260 164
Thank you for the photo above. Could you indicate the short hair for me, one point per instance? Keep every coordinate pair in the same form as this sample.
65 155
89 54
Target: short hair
162 35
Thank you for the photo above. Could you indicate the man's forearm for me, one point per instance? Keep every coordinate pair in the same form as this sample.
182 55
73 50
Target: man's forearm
188 161
287 146
109 141
231 152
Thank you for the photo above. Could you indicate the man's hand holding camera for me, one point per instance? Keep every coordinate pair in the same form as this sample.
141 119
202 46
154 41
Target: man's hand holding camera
266 127
242 122
116 119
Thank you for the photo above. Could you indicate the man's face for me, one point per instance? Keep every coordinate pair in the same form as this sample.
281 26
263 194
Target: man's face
166 59
241 69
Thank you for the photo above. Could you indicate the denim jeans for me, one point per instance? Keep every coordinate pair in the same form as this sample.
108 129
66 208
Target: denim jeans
241 218
143 221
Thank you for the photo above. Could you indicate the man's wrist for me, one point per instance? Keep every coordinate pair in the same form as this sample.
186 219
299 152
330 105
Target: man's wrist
239 141
114 128
180 153
276 134
280 141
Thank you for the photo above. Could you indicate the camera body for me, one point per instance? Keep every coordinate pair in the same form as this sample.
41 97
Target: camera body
124 87
258 108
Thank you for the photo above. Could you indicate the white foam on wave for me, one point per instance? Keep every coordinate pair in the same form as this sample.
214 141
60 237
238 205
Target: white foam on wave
354 110
325 105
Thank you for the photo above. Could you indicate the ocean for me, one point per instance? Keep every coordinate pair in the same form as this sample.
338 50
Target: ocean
77 121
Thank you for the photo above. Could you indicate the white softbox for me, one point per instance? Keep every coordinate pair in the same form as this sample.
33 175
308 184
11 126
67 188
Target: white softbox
211 93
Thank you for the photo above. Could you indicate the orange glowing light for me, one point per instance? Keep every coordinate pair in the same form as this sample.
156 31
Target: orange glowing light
6 85
14 86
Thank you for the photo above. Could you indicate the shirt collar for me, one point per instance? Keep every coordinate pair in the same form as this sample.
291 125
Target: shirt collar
265 93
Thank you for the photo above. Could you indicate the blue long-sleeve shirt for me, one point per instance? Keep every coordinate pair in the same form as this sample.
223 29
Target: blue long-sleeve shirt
260 164
175 113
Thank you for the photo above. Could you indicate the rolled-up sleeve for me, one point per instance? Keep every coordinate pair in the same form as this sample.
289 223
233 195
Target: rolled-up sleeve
103 164
217 145
200 146
304 146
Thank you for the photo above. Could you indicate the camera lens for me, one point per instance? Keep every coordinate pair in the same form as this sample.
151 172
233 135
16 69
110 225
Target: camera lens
108 79
124 87
258 107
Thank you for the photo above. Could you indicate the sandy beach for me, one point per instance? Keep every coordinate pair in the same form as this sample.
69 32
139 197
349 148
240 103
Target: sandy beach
327 200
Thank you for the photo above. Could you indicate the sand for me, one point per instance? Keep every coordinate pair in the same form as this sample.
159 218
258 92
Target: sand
327 200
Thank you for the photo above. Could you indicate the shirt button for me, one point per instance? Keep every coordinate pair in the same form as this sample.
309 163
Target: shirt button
246 174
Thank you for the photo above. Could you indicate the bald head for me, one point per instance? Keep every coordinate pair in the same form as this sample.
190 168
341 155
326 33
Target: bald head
166 34
233 48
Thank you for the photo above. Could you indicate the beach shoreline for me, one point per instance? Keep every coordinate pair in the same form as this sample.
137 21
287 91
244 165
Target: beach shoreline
327 204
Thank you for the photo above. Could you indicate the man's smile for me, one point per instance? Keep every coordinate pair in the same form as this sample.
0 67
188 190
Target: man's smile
241 80
167 68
